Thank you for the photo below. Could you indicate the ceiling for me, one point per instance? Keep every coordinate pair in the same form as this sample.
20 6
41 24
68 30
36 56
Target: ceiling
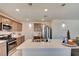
36 11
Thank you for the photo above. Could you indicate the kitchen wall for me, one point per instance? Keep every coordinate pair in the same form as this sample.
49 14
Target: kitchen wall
29 31
58 32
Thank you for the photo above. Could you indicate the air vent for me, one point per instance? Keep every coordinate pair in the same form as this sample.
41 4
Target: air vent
30 4
45 15
63 4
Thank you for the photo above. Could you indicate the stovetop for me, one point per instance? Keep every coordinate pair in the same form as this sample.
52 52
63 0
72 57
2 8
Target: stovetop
7 37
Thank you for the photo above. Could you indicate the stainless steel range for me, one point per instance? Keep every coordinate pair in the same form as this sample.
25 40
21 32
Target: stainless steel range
11 42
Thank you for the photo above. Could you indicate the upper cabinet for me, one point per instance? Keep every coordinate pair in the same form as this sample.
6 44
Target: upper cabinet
15 26
6 21
37 27
19 27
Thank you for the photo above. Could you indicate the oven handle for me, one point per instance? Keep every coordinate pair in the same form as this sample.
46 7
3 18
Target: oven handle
12 42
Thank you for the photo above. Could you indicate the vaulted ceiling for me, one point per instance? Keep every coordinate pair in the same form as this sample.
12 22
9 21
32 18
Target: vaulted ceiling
35 12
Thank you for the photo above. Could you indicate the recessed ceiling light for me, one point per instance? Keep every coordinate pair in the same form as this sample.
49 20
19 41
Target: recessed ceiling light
63 25
30 25
45 10
17 10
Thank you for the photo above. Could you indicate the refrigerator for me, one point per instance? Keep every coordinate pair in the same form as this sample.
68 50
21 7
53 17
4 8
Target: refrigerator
47 32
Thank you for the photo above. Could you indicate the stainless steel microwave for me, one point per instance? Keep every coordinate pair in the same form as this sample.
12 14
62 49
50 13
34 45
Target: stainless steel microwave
5 27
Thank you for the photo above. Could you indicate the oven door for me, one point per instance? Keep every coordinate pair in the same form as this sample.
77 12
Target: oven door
11 45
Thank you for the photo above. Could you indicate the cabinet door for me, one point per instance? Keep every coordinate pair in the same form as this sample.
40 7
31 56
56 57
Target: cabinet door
6 21
3 49
75 52
37 27
14 26
22 39
9 21
19 27
18 40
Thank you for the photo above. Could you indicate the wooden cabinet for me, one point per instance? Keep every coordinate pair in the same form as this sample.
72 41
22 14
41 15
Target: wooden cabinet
37 27
6 21
14 26
20 40
38 31
3 49
19 27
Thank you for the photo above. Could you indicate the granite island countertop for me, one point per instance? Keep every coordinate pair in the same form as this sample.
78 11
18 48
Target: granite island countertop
54 43
52 48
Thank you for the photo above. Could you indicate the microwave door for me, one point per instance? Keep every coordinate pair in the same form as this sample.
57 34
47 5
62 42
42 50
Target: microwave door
7 27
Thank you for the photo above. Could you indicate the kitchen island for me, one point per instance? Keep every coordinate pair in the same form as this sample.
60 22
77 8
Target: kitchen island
52 48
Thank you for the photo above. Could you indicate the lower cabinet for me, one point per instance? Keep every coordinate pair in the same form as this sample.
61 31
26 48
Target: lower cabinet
75 52
3 49
20 40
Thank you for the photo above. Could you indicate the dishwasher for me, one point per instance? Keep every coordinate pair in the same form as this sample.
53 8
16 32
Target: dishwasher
75 52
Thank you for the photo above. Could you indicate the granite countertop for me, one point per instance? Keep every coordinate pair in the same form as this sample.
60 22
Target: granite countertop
54 43
17 36
54 47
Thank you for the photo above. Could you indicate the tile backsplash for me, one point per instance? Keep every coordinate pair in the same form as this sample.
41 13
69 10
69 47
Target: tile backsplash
13 33
4 32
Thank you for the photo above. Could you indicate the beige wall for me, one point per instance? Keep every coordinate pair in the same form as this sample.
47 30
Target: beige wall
29 32
58 32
